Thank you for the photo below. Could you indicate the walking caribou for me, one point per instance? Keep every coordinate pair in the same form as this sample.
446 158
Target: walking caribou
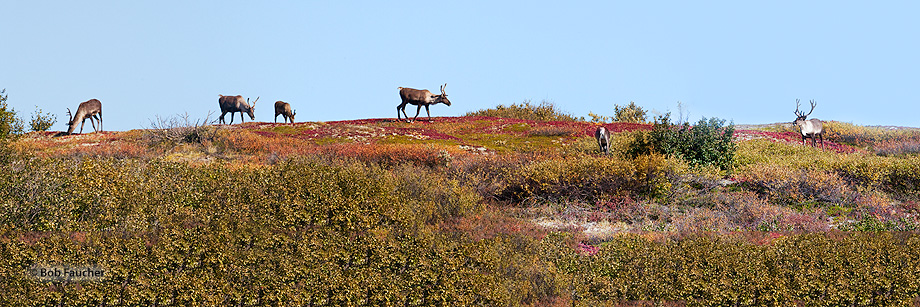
284 109
419 98
231 104
90 109
603 139
812 128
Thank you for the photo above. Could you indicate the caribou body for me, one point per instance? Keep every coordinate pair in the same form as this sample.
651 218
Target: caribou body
419 98
284 109
603 139
90 109
231 104
812 128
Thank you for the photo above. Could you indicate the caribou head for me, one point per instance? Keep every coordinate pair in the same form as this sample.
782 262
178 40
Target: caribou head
441 98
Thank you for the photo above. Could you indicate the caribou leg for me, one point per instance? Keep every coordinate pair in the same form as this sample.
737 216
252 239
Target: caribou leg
427 112
417 111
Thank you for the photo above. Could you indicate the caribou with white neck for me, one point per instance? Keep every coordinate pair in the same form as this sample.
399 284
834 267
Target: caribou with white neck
812 128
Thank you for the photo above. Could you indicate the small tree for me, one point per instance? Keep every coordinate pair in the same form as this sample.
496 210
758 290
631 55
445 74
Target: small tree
42 121
709 142
10 126
630 113
596 118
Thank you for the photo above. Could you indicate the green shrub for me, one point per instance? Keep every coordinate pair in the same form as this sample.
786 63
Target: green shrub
10 125
709 142
545 111
630 113
42 121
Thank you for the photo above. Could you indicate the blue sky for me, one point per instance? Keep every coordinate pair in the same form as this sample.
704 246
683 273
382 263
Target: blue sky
745 61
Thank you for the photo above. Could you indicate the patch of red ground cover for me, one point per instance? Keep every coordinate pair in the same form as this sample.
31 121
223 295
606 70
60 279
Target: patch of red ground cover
428 133
499 123
790 137
323 132
363 121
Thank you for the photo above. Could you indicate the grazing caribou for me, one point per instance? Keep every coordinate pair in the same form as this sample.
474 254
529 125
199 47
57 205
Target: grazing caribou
90 109
603 139
284 109
812 128
419 98
236 103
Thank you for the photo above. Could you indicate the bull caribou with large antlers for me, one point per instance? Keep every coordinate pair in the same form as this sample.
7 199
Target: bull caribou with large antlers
812 128
232 104
90 109
419 98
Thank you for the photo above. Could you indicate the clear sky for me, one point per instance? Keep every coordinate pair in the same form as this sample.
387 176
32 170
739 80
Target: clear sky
745 61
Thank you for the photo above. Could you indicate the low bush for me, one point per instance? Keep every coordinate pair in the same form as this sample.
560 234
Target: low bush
630 113
897 175
545 111
709 142
706 270
897 148
41 121
337 231
302 231
882 141
799 188
10 126
588 178
180 129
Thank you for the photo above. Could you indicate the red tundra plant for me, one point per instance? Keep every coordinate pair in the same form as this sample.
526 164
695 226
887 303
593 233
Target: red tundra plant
586 249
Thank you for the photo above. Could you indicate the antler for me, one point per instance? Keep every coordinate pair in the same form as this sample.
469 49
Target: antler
813 104
797 112
254 101
69 115
442 89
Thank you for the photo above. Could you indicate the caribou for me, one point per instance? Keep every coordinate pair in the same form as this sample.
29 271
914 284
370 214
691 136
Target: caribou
90 109
603 139
284 109
419 98
236 103
812 128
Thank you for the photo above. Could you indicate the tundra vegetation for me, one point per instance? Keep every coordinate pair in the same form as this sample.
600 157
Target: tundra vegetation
511 206
41 121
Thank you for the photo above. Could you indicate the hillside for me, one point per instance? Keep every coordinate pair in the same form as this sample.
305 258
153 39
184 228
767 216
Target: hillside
460 211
